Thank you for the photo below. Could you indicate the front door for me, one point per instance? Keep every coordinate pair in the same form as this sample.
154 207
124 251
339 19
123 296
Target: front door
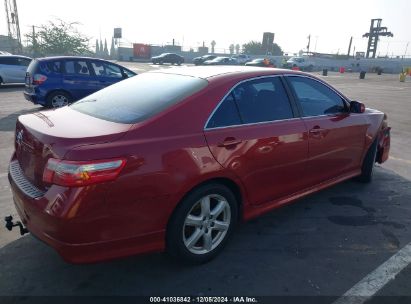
254 133
336 136
78 79
106 73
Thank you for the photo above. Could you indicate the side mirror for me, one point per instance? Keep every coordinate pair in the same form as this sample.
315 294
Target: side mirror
357 107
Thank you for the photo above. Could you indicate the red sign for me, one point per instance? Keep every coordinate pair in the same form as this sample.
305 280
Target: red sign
142 50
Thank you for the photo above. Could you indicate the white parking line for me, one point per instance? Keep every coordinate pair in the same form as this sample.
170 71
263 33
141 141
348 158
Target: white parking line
401 160
373 282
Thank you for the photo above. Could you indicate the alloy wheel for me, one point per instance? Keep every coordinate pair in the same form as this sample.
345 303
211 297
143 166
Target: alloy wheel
59 101
206 224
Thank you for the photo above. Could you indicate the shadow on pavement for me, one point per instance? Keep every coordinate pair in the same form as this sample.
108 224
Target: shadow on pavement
12 87
319 246
8 123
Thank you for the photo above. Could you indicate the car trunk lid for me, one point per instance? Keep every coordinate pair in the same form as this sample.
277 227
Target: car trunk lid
47 134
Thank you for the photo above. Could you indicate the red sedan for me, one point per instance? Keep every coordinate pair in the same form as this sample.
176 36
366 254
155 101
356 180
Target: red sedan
171 160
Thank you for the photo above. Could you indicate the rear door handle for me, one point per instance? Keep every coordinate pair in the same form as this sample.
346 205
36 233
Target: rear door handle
316 130
230 142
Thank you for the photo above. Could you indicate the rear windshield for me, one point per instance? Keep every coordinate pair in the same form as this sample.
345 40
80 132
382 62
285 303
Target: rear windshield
33 66
140 97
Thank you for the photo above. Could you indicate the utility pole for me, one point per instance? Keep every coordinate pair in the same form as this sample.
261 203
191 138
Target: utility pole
349 48
13 25
376 30
309 42
406 49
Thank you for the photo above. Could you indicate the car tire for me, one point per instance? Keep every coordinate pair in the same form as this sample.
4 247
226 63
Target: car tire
368 164
202 224
1 81
58 99
160 62
179 63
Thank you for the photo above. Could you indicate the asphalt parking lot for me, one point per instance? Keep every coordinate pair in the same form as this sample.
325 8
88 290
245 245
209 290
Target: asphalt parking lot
321 246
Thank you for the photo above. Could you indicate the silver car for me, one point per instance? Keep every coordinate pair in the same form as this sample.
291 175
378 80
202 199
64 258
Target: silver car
13 68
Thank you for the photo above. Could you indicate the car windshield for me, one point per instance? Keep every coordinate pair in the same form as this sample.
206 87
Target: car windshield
140 97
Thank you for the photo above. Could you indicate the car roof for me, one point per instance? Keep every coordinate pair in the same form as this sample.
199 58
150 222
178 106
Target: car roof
207 72
14 56
69 57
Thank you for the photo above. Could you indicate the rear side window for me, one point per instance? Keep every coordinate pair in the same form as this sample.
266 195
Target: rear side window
77 67
255 101
51 67
140 97
23 61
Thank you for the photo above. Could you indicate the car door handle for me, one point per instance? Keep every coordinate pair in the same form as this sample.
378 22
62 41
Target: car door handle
229 142
316 130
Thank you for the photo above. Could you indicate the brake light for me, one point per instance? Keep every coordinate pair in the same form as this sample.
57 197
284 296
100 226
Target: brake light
81 173
39 79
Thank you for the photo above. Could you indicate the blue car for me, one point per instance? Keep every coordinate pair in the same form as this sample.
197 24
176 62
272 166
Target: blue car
57 81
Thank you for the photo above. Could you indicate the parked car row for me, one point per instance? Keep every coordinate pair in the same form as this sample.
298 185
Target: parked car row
241 59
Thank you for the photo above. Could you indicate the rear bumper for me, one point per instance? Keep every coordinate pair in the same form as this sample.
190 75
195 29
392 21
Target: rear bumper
34 97
82 239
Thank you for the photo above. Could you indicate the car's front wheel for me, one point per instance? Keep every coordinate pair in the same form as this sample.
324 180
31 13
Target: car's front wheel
367 168
202 224
58 99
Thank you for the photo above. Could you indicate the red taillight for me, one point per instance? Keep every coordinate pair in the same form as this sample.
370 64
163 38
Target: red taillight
81 173
39 79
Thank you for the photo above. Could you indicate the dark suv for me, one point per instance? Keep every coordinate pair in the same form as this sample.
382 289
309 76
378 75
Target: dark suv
57 81
168 58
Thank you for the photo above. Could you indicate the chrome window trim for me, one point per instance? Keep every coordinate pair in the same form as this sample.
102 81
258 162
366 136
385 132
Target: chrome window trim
231 90
255 123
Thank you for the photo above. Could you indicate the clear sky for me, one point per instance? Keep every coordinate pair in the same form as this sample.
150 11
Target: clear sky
330 23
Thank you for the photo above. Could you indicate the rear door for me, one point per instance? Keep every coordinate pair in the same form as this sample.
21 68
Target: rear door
255 133
78 80
336 136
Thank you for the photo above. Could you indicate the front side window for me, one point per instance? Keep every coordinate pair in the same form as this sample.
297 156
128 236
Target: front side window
113 71
255 101
315 98
102 69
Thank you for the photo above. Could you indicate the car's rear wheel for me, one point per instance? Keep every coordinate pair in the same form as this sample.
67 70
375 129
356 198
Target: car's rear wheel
179 63
368 164
202 224
58 99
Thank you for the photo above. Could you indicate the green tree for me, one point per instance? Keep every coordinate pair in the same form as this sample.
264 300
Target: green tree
256 48
59 38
